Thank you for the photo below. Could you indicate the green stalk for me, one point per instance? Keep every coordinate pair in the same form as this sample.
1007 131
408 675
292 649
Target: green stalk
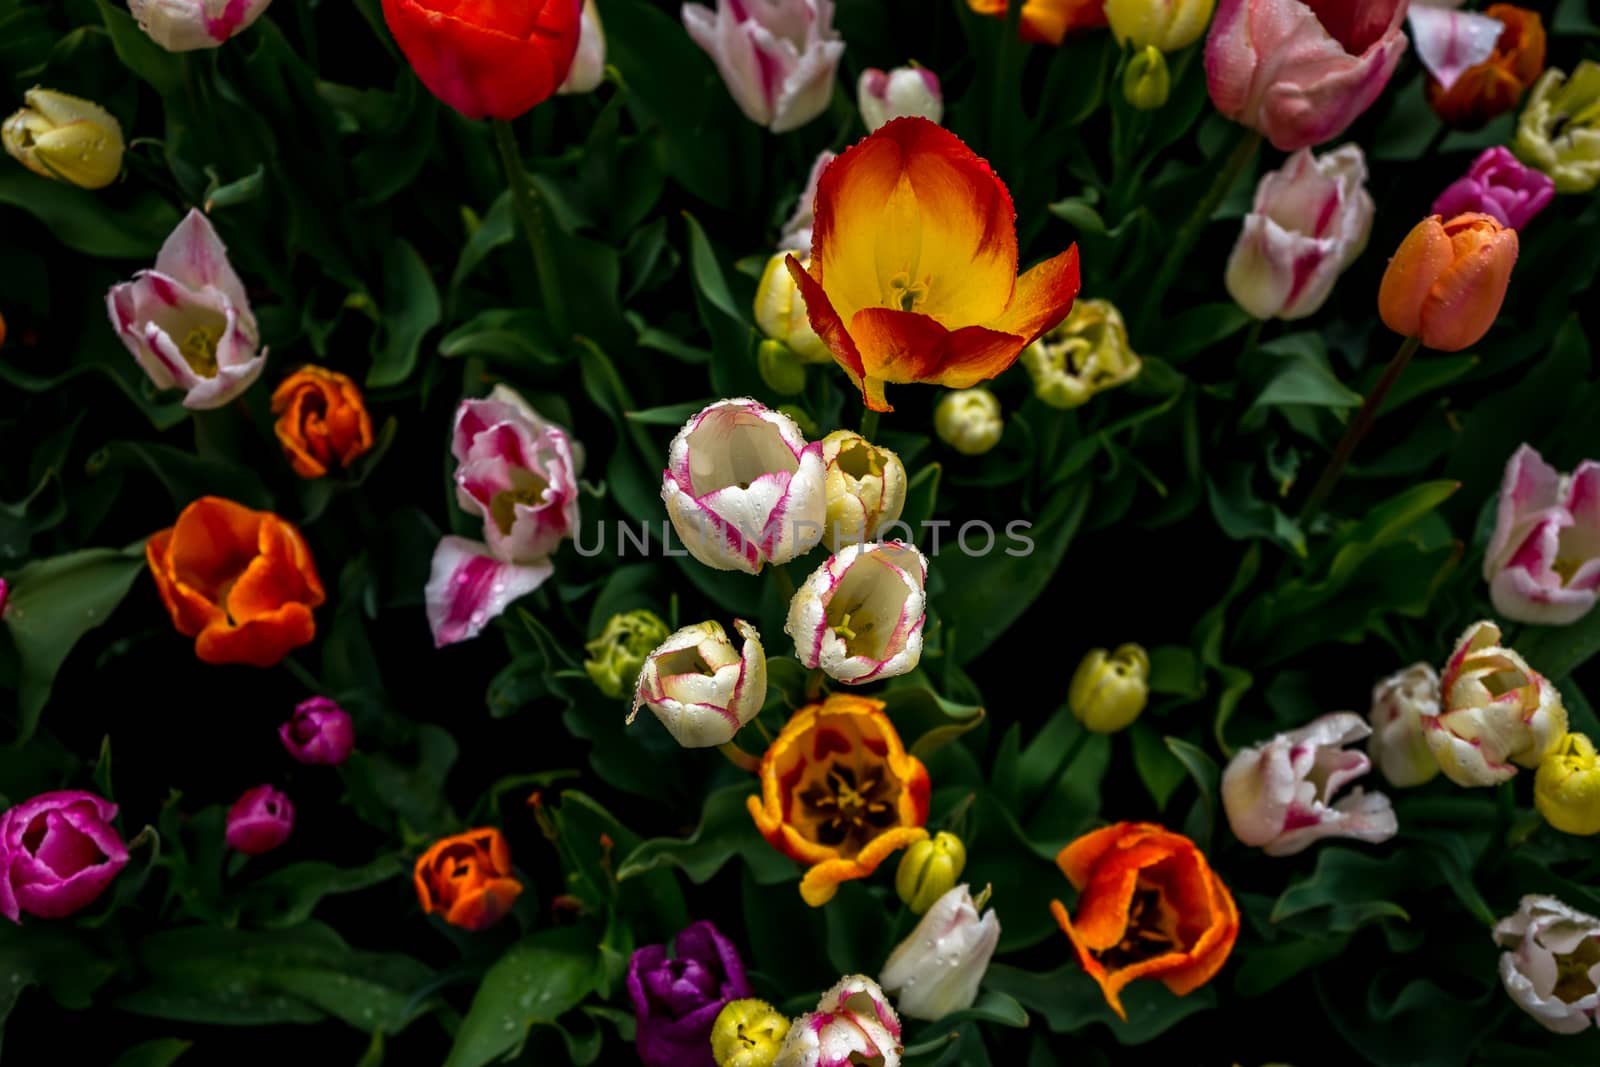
1358 428
530 213
1243 152
869 424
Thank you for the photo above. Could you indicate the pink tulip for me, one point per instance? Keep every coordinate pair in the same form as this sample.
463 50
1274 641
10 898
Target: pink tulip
1498 184
319 732
259 821
58 852
1301 71
1543 562
777 57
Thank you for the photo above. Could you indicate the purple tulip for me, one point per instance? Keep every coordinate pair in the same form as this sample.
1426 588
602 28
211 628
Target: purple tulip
1498 184
259 821
677 998
58 852
319 732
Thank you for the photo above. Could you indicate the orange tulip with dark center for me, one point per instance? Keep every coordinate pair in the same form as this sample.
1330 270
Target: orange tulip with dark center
1494 86
1048 21
240 582
468 879
913 274
840 792
322 420
1149 906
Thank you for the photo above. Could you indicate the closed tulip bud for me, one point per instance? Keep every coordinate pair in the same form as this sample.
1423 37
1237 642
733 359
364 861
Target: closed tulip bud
189 25
1085 355
1495 712
1551 966
930 869
969 421
618 654
319 732
701 687
883 96
65 138
860 615
1109 692
1566 788
1146 83
1559 131
1167 25
781 313
780 370
854 1023
748 1033
589 64
937 970
777 57
866 488
1447 281
1398 748
259 821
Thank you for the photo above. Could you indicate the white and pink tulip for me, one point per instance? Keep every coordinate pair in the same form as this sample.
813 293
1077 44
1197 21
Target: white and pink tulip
853 1023
1543 562
778 58
1398 748
905 91
189 25
860 615
701 687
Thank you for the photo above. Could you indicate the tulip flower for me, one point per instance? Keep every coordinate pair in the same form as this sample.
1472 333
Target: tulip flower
1566 788
777 57
1279 795
677 999
969 421
796 235
319 732
936 970
930 869
259 821
1495 712
859 616
1543 561
494 60
1498 184
518 473
1309 222
467 879
748 1033
1552 964
322 421
743 488
588 68
702 688
618 655
58 853
5 593
1085 355
1301 71
913 273
1147 81
1450 42
781 312
1109 691
188 25
1498 76
853 1023
1166 25
1048 21
885 95
840 793
1447 281
240 582
1149 906
1398 748
865 486
65 139
1559 131
188 321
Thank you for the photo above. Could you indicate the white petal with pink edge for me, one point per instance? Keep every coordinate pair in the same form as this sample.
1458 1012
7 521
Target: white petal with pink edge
468 588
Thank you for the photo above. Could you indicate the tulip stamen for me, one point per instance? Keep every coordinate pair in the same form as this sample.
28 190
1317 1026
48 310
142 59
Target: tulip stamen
1151 929
1572 971
199 350
503 505
906 295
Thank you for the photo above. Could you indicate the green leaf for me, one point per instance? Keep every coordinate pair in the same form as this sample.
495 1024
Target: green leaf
726 830
1207 777
1351 886
1070 1001
287 896
534 983
1159 770
1557 651
87 224
926 720
410 309
162 1052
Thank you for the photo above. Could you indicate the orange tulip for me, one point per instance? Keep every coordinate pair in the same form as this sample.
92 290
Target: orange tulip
1446 283
467 879
840 792
913 274
1149 906
1048 21
322 420
241 582
1494 86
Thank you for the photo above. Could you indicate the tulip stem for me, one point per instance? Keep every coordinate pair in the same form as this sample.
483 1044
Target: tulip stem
1243 152
1007 95
1067 759
530 213
1358 428
869 424
739 757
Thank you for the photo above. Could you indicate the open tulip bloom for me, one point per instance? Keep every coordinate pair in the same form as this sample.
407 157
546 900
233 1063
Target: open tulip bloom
702 688
1551 966
1543 562
859 616
853 1023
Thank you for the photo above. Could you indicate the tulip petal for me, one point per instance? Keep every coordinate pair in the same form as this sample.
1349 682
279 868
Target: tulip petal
1448 42
468 587
1422 257
1042 299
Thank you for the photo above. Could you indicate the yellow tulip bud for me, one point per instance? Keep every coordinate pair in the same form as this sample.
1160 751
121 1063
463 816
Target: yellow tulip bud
866 487
1165 24
65 139
1087 354
1109 692
929 870
1566 788
1147 83
780 369
747 1033
618 654
781 311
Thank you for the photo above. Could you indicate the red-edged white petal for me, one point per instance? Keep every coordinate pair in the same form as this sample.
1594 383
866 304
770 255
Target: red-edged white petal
468 587
880 587
1448 42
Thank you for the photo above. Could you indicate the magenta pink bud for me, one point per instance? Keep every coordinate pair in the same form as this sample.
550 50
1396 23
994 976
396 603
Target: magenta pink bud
259 821
1498 184
5 591
58 852
319 732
